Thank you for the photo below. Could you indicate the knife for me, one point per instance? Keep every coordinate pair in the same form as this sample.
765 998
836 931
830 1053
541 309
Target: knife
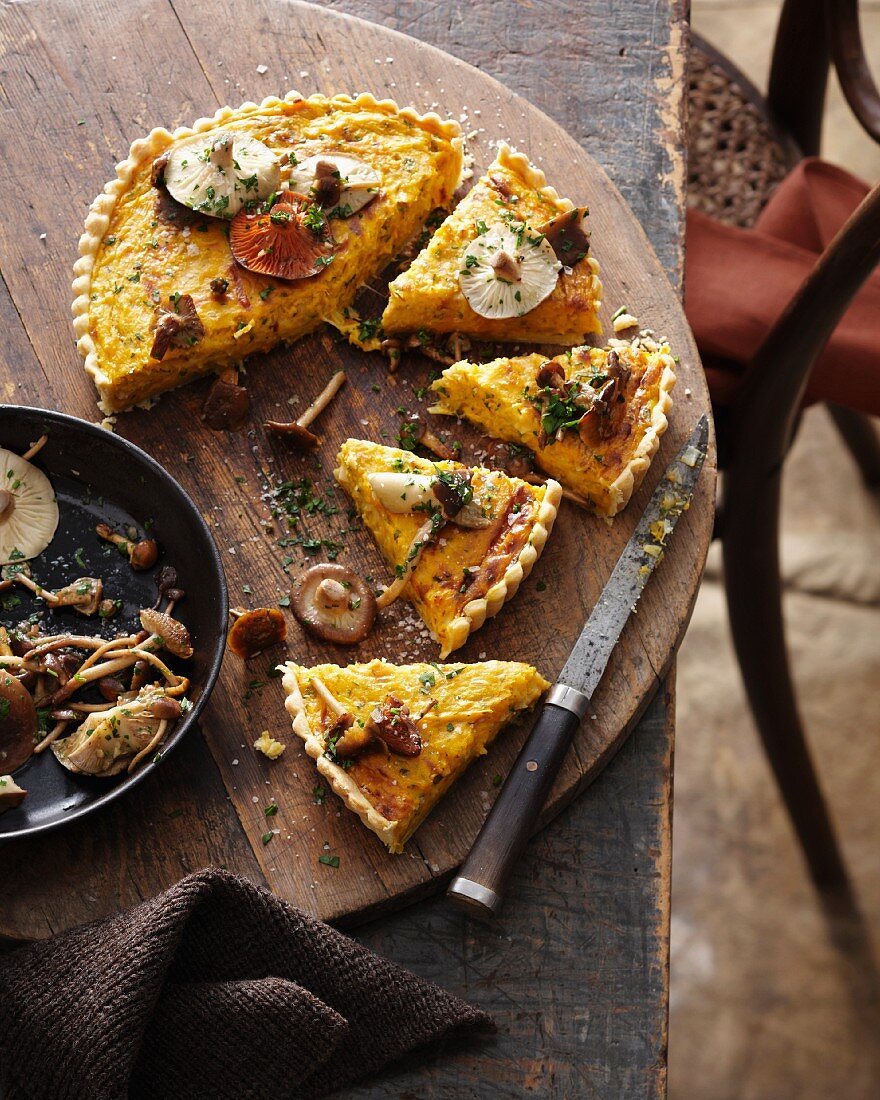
479 887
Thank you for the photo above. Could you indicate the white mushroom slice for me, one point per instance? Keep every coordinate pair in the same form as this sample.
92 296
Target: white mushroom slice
508 271
28 512
402 493
104 742
11 795
218 174
359 183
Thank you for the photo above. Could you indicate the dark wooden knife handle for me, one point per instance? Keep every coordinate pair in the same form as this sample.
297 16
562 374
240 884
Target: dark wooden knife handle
478 888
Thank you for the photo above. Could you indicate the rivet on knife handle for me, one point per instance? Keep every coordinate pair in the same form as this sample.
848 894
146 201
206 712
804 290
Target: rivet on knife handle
479 887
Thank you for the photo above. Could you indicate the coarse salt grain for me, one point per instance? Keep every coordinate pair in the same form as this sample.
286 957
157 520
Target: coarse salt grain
262 69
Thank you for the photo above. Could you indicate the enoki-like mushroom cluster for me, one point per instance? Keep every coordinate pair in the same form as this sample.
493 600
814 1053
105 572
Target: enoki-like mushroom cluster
140 695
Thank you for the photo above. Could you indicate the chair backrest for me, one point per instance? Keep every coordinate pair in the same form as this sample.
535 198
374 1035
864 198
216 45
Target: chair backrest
811 35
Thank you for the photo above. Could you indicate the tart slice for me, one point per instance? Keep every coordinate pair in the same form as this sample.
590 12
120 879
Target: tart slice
459 571
248 229
510 263
392 739
592 418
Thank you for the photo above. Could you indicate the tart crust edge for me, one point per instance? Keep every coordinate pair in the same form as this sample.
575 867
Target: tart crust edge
148 148
390 833
475 613
631 476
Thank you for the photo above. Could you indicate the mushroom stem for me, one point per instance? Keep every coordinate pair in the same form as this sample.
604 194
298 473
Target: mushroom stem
147 749
38 590
413 556
322 400
297 429
51 736
35 448
327 696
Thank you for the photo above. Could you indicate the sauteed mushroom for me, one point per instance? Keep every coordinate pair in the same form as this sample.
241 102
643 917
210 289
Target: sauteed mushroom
227 405
254 631
11 795
334 604
18 723
297 431
142 554
172 634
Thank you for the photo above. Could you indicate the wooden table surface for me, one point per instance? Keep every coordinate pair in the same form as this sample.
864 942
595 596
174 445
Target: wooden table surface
577 972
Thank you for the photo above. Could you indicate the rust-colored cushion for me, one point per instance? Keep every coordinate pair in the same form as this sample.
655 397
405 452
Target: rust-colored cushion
738 281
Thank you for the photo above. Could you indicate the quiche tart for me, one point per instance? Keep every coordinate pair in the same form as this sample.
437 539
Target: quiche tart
592 418
455 573
392 739
510 263
188 263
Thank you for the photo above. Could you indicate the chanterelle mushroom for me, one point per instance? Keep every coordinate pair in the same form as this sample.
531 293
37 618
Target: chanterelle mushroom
343 184
334 604
28 512
218 174
507 271
393 723
18 723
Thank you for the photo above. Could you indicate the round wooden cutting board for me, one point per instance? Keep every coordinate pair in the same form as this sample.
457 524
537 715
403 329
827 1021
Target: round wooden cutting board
83 82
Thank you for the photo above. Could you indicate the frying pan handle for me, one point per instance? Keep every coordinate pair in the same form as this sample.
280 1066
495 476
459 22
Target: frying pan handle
479 887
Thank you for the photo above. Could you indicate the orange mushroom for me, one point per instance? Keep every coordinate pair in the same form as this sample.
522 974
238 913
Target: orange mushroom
290 241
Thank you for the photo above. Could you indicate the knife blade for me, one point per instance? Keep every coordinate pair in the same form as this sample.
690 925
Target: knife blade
479 887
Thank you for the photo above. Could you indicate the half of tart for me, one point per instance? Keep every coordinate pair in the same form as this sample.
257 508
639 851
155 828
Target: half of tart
592 418
457 572
392 739
510 263
170 285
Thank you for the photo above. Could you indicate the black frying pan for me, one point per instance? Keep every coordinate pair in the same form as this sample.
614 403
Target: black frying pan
97 477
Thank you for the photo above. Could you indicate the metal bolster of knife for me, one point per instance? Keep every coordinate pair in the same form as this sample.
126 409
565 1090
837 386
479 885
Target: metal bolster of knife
569 698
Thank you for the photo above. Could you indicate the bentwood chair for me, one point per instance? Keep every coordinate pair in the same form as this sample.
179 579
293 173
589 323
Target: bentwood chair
730 119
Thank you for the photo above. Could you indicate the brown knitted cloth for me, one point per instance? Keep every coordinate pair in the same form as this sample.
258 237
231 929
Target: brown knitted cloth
215 988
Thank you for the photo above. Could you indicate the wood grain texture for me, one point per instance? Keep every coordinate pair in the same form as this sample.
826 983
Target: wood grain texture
576 973
64 64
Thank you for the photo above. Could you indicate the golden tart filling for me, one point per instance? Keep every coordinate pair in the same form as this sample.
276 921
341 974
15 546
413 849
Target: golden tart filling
458 575
591 418
392 739
177 279
510 263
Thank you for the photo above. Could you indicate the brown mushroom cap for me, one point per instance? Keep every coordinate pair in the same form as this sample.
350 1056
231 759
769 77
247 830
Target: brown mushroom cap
334 604
567 236
298 436
18 723
227 405
179 326
144 555
174 635
280 242
254 631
